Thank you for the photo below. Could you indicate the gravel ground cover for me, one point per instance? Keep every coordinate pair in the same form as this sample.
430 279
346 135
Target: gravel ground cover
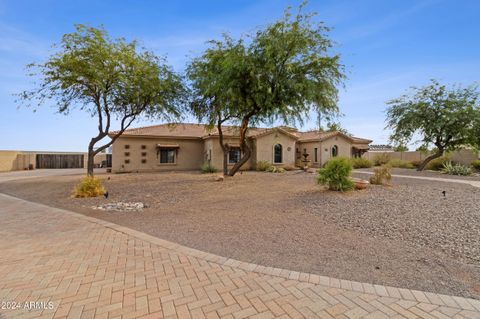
406 235
413 172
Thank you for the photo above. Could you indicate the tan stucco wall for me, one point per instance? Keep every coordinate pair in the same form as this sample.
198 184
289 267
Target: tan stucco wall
344 148
190 154
463 156
216 159
15 160
264 148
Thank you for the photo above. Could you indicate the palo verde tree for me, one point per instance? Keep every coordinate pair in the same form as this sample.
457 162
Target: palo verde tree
110 79
282 72
448 118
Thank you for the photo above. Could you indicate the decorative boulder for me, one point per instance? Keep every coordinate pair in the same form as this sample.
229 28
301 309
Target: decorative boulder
360 183
219 178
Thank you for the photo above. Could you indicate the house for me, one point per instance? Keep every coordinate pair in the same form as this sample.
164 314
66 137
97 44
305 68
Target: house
189 146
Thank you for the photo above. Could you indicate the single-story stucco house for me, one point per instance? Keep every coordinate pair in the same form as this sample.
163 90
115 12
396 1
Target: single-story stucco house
189 146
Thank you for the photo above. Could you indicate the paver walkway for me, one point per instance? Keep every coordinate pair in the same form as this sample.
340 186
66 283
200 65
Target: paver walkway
427 178
89 268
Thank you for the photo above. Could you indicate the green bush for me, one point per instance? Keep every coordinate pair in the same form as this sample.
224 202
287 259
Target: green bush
263 166
336 174
360 162
456 169
416 163
476 164
381 175
208 168
399 163
89 186
381 159
437 163
275 169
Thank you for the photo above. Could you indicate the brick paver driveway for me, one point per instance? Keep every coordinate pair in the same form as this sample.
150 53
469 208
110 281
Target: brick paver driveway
88 268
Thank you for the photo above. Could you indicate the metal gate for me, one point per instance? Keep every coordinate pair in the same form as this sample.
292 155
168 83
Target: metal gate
59 161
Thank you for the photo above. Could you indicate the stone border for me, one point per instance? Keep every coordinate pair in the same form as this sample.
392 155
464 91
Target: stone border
374 289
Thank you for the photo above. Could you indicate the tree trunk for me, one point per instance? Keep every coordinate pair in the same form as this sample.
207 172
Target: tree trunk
439 153
225 148
244 148
90 159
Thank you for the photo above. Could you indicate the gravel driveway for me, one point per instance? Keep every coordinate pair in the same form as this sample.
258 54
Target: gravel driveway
407 235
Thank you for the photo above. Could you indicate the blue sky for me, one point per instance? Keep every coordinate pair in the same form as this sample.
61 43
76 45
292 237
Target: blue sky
386 45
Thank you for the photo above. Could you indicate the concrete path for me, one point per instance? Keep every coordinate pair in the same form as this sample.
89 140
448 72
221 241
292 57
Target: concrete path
437 179
59 264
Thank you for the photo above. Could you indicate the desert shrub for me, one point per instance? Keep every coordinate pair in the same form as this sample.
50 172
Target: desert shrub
416 163
381 175
456 169
336 174
89 186
208 168
381 159
476 164
275 169
437 163
360 162
399 163
263 166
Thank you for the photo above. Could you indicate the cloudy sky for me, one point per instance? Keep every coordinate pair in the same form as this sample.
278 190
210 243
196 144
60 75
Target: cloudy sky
386 45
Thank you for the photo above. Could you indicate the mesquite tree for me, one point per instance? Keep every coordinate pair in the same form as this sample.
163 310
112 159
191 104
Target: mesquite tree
111 79
448 118
281 73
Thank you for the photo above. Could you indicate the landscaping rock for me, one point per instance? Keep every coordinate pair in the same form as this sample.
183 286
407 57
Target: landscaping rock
121 206
219 178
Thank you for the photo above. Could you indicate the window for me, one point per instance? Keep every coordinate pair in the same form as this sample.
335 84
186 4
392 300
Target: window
234 155
334 151
316 154
167 155
277 153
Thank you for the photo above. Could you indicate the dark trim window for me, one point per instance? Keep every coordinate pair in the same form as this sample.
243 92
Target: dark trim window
316 154
277 153
167 155
334 151
234 155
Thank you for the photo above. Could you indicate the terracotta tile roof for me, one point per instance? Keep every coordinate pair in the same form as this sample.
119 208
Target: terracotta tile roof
189 130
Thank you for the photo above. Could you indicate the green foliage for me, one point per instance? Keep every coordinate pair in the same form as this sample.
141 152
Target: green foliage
476 164
282 72
336 174
360 162
89 186
448 118
381 175
381 159
399 163
263 166
437 163
456 169
208 168
109 79
416 163
400 148
275 169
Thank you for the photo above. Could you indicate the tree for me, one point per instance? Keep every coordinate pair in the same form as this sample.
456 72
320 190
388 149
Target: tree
400 148
336 127
282 73
109 79
445 117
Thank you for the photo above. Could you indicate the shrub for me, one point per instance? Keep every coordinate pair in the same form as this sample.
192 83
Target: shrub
89 186
381 175
416 163
456 169
208 168
263 166
381 159
275 169
476 164
360 162
336 174
399 163
437 163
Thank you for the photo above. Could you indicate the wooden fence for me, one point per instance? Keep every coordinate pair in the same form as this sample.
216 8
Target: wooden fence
59 161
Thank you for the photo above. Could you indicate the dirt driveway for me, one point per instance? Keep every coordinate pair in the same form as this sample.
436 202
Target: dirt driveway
404 236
